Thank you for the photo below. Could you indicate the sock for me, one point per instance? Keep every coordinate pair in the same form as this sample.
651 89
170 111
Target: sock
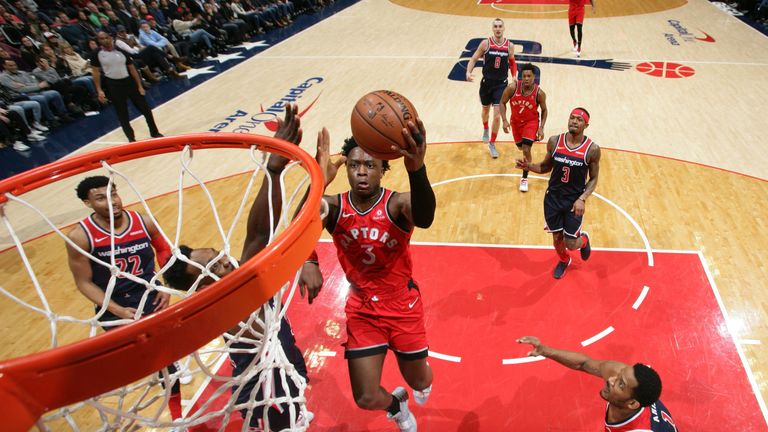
174 405
525 174
485 125
584 241
493 137
394 406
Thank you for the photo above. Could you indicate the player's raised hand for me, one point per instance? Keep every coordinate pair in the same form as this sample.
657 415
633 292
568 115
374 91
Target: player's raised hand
521 163
288 129
535 343
323 157
416 138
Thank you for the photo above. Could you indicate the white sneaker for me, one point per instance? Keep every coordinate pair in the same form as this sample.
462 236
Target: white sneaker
575 47
492 149
185 376
405 420
421 396
20 146
35 137
40 127
524 185
91 113
578 53
486 136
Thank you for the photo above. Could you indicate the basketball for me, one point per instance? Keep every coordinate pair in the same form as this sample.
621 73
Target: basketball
378 120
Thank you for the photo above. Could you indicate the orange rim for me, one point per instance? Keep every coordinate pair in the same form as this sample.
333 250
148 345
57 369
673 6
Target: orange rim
37 383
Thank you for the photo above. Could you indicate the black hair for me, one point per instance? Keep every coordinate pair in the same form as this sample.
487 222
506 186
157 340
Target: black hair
89 183
648 388
177 276
528 66
350 143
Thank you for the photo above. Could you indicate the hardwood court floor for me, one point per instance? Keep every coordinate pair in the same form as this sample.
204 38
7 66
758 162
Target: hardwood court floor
688 165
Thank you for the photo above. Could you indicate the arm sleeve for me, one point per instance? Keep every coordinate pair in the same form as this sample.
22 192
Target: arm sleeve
162 249
423 202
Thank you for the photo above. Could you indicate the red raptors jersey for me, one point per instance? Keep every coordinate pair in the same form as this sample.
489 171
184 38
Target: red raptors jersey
373 251
575 4
654 418
524 108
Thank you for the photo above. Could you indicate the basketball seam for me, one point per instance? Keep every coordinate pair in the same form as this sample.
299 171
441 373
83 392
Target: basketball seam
372 127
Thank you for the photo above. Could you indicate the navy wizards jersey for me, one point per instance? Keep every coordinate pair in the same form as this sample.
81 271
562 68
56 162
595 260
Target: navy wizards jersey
654 418
569 169
133 254
496 60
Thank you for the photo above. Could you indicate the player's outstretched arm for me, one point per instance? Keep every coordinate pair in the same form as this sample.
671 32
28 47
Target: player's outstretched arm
418 206
505 97
258 228
541 99
572 359
545 165
481 49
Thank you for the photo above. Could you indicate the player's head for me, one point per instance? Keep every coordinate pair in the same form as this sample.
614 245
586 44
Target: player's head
529 74
633 387
93 192
364 172
578 121
498 27
182 275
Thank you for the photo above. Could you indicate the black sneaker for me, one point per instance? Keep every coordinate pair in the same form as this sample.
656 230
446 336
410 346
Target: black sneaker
586 250
560 269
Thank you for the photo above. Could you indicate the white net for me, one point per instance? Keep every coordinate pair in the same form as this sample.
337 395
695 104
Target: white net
250 378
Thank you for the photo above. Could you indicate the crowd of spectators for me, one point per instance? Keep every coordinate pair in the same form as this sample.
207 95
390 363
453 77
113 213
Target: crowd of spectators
46 48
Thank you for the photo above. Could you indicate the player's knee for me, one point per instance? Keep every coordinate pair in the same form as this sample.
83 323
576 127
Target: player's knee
367 401
572 243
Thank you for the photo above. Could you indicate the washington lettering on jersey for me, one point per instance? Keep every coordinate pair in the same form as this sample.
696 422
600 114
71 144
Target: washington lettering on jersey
569 168
132 254
372 249
496 60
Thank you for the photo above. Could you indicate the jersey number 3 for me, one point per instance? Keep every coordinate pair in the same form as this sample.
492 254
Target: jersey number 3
370 257
566 174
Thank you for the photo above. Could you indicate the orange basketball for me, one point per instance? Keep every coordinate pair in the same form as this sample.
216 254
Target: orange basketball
378 120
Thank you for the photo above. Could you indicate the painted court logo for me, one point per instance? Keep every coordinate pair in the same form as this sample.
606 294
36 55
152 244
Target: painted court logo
243 122
682 33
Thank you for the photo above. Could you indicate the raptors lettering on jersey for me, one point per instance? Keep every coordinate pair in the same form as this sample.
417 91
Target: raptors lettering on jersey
372 249
524 108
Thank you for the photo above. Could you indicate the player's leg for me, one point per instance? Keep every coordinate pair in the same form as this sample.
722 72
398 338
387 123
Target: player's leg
418 374
575 238
408 339
118 94
496 122
485 101
580 38
141 104
572 27
554 218
365 378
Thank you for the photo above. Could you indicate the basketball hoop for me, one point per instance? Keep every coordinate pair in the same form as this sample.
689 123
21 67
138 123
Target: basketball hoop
37 383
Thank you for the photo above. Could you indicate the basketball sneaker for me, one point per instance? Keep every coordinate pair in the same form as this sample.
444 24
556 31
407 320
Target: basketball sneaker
560 269
421 396
404 419
575 47
578 53
492 149
585 250
486 136
524 185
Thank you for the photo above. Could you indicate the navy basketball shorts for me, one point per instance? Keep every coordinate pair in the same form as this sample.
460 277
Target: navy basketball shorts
559 217
491 90
131 299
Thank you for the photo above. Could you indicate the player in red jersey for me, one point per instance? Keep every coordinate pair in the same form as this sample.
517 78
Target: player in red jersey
632 392
525 97
371 228
498 55
573 158
576 22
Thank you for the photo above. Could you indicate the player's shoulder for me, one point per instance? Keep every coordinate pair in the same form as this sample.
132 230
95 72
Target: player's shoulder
78 235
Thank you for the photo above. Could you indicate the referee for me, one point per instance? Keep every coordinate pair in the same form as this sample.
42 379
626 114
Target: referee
122 82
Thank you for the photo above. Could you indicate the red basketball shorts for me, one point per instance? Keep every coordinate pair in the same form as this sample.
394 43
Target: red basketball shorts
524 130
576 15
375 325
